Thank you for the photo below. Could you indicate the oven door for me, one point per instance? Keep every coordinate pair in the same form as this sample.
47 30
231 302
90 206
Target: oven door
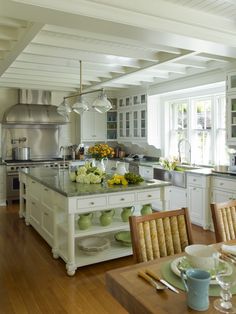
13 186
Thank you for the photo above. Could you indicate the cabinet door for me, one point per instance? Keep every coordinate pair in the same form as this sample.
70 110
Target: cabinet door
35 212
196 205
231 118
219 196
231 82
175 198
47 222
93 126
111 125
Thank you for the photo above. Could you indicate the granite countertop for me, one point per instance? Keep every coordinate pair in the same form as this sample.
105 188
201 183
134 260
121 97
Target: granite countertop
59 181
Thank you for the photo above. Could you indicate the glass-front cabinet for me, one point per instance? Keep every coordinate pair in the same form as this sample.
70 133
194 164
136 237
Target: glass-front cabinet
132 117
231 119
231 82
231 108
112 120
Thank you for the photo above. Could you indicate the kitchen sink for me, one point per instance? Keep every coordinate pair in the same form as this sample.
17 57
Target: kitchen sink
177 177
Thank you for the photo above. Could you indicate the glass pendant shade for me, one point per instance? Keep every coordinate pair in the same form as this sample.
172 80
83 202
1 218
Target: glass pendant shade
102 104
64 109
80 106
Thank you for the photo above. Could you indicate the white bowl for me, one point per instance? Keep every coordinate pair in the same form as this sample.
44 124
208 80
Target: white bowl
201 256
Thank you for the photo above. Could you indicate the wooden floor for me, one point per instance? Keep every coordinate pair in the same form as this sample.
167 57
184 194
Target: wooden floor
31 281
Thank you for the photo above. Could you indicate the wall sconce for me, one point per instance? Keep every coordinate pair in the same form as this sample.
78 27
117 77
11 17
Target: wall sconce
101 104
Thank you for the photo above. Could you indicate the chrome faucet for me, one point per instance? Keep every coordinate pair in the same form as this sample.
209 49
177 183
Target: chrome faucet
184 140
62 149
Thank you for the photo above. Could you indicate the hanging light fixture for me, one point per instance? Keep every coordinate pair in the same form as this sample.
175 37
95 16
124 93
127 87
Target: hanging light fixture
64 109
101 103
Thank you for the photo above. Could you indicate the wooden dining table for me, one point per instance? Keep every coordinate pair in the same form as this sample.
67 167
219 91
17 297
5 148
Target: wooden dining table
138 297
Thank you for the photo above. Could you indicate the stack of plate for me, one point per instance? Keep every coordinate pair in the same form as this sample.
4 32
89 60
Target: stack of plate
93 245
123 237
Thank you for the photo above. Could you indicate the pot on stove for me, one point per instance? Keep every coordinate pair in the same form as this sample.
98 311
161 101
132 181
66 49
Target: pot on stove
21 153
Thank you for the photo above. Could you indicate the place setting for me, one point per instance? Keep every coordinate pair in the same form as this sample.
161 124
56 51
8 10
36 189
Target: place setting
204 272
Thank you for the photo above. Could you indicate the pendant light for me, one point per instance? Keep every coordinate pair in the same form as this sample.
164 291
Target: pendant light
101 103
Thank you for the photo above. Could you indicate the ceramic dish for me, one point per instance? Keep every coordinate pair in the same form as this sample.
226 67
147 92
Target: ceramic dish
123 237
181 263
93 245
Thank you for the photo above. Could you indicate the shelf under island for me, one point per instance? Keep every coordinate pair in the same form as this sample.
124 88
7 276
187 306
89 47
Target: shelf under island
52 204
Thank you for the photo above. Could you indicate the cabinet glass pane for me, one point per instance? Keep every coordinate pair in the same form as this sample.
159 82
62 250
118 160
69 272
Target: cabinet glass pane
143 99
233 81
121 125
127 124
233 104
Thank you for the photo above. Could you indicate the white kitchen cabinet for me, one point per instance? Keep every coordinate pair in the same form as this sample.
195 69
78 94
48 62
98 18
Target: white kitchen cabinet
132 117
2 185
112 120
231 82
39 206
198 199
93 126
231 118
231 108
176 197
223 189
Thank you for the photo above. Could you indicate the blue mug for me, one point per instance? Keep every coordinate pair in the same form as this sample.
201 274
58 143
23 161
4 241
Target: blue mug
196 282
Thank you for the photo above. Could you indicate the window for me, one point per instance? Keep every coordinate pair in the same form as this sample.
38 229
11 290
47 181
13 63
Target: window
200 121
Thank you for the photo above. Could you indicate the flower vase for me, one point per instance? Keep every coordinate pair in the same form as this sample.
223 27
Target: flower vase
100 165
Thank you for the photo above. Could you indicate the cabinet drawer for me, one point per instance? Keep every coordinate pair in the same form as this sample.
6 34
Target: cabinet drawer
121 198
195 180
91 202
149 195
223 184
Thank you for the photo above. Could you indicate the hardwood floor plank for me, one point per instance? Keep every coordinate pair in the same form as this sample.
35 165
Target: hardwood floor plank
32 282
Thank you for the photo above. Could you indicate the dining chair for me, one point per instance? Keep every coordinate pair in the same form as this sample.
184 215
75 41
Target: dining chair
224 220
160 234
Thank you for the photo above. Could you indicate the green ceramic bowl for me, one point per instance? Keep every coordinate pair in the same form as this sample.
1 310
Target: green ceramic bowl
123 237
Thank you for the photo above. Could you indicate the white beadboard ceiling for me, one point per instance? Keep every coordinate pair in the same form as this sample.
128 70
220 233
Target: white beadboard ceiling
121 43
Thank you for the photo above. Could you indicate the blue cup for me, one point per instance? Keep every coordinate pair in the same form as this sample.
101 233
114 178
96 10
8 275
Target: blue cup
196 282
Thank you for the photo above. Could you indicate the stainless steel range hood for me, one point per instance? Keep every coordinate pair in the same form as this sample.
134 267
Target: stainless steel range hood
34 107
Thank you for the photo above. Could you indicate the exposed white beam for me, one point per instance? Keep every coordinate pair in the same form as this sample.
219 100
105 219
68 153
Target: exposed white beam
18 47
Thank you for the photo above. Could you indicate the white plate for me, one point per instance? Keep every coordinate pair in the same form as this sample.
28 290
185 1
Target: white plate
174 267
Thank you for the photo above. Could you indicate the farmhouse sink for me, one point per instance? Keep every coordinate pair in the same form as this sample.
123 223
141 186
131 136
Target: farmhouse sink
177 177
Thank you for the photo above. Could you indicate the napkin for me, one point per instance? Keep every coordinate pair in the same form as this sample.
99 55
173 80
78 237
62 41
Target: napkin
229 248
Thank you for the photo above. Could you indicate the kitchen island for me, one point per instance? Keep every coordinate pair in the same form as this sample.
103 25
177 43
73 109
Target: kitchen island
52 204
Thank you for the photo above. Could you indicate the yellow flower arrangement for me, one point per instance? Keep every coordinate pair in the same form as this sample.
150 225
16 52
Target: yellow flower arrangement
99 151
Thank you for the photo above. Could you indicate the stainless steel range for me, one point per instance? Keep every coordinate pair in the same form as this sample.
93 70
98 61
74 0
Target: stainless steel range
13 167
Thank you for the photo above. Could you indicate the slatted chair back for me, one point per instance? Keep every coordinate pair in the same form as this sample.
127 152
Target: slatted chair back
160 234
224 220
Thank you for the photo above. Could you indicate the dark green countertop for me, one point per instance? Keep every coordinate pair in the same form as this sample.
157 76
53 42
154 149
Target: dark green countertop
59 181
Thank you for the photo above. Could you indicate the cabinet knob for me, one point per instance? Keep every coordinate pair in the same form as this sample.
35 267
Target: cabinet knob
45 213
194 180
149 195
92 203
221 183
122 199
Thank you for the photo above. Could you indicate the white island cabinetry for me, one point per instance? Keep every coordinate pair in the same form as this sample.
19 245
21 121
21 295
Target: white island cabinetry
55 215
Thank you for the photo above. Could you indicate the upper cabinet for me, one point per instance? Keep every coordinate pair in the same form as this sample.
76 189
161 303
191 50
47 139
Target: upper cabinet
112 121
132 117
93 126
231 82
231 108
